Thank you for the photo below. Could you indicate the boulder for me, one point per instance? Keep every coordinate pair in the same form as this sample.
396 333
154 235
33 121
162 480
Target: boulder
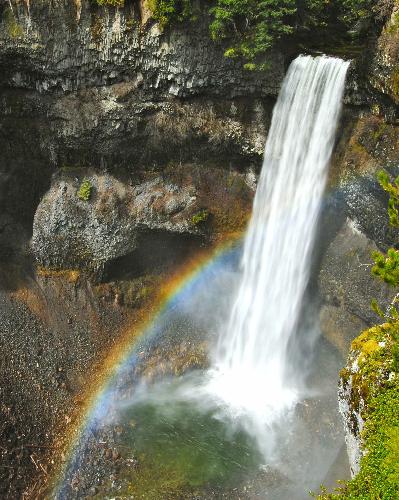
90 220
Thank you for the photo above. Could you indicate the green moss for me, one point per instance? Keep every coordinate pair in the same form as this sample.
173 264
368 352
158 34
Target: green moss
395 83
113 3
131 23
85 190
379 475
13 28
393 28
200 217
376 383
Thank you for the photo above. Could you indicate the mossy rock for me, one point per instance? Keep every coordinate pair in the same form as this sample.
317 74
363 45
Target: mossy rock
373 372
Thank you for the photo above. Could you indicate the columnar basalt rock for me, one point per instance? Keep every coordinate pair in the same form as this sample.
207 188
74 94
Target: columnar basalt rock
70 45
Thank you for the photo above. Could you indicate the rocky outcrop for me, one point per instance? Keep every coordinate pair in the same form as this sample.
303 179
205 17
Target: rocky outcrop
86 86
368 399
88 222
358 224
385 65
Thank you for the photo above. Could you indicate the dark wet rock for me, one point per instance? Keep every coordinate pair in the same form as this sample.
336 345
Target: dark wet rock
339 326
366 205
345 281
93 491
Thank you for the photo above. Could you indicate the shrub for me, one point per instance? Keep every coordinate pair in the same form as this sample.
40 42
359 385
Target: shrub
251 28
200 217
113 3
85 190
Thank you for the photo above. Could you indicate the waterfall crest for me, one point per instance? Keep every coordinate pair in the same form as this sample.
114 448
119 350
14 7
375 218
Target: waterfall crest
250 364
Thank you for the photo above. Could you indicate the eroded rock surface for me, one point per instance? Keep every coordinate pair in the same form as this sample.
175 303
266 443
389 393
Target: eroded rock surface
72 232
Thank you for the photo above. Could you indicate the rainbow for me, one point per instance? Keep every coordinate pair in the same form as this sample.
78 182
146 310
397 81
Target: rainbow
124 356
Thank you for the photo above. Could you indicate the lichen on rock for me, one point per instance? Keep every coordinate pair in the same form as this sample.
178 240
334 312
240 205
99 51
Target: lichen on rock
369 402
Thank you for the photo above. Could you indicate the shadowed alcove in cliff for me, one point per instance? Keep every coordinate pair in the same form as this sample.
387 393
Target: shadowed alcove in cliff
156 252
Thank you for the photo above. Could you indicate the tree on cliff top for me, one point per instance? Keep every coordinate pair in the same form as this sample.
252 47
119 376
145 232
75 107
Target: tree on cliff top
250 28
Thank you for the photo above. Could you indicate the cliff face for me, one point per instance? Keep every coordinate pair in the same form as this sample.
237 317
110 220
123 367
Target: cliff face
169 134
84 86
385 68
75 45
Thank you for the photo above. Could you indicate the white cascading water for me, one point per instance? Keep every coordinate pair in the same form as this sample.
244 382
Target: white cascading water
250 363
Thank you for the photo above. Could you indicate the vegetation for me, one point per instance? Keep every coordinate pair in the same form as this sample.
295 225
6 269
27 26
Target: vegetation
14 29
386 265
375 383
170 11
114 3
251 28
85 190
200 217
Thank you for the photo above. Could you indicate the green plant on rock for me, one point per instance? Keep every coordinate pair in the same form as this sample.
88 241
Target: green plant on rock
13 28
113 3
375 395
85 190
392 188
395 83
386 265
252 26
170 11
200 217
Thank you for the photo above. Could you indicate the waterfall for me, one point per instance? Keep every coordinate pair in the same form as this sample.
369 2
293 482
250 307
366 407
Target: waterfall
250 365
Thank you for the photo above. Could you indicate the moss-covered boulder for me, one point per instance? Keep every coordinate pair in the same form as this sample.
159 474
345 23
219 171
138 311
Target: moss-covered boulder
369 403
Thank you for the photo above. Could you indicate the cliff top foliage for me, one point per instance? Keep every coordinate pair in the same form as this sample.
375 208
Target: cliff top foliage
251 28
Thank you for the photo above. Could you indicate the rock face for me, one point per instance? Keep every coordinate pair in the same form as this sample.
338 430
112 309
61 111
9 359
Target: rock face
358 225
385 65
104 88
353 421
73 232
344 279
76 45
